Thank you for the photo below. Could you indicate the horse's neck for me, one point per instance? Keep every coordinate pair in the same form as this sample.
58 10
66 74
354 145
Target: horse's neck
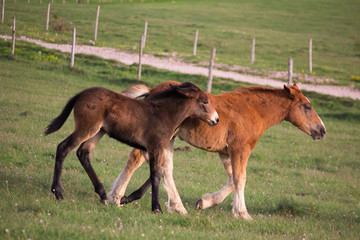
272 106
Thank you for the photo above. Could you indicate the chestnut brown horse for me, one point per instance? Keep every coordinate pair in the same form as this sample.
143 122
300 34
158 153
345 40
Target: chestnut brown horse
245 114
147 124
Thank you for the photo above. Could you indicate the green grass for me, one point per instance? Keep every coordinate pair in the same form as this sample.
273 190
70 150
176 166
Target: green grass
297 188
282 29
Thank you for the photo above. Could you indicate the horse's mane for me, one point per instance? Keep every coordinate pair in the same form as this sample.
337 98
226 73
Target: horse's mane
256 89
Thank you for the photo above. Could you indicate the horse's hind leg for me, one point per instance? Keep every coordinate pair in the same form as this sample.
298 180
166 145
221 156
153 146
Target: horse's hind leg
84 154
209 200
174 203
62 151
134 161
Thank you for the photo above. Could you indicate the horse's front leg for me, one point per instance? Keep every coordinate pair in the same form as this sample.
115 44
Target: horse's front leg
239 158
134 161
174 203
209 200
156 157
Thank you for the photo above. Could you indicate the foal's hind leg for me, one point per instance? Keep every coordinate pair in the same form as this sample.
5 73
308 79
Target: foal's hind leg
209 200
134 161
62 151
84 154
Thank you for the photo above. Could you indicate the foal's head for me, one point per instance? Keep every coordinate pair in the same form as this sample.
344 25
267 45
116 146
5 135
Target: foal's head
303 115
202 108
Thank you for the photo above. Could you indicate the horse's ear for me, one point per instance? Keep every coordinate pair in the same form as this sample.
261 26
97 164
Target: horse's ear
289 92
187 89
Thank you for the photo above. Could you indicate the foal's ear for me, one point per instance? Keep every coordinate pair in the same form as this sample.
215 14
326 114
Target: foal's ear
187 89
289 92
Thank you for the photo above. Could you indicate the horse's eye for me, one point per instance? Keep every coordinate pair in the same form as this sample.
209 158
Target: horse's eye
205 102
307 106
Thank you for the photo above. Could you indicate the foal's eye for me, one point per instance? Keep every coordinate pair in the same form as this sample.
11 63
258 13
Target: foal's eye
205 102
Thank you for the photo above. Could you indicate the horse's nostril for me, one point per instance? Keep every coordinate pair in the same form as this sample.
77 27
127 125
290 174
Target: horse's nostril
322 131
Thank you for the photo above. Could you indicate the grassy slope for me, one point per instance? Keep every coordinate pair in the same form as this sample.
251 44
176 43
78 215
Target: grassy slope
282 29
296 187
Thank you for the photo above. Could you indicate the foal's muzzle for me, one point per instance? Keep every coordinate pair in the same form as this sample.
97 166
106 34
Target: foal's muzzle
318 132
214 120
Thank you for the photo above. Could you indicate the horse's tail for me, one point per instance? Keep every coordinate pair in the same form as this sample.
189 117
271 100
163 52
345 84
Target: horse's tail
57 123
136 91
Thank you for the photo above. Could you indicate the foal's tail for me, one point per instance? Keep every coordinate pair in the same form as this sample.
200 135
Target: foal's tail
136 91
57 123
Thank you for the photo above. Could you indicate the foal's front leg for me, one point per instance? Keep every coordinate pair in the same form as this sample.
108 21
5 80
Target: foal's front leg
156 157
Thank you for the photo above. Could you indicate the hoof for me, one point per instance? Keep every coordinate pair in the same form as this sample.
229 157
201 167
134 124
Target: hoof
199 205
115 200
58 194
176 207
243 215
181 210
104 201
156 211
124 200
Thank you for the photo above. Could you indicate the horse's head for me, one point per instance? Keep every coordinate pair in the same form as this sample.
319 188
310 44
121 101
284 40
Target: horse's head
202 108
303 115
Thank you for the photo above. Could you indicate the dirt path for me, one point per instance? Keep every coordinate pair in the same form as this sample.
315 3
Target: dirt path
178 66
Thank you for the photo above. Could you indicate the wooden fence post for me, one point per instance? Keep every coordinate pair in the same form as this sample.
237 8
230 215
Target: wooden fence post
140 56
73 49
290 71
195 42
253 51
2 11
48 17
13 37
310 55
145 33
97 22
211 66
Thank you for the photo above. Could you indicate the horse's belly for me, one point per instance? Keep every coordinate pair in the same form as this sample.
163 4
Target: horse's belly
209 141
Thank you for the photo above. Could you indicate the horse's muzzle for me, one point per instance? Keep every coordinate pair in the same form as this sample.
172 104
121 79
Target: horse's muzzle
318 132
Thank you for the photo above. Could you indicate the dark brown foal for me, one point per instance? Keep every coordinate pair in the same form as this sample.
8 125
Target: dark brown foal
147 124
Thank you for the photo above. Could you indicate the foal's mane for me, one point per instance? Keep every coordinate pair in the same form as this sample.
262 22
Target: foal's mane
161 94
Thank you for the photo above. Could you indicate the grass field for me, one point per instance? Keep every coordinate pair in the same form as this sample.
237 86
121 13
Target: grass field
282 29
297 188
